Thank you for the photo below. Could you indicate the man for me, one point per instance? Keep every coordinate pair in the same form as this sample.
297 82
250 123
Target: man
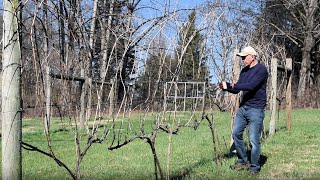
252 82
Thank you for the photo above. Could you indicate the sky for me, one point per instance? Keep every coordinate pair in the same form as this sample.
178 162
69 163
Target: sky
173 4
159 3
156 8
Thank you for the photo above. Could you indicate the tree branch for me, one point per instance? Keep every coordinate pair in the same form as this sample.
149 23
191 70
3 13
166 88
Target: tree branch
29 147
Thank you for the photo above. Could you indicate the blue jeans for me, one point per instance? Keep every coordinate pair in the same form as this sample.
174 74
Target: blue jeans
253 118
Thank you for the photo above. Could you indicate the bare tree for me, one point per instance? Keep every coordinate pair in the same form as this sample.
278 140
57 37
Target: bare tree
311 30
93 50
298 22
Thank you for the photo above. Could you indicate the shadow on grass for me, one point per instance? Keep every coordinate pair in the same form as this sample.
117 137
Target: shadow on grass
188 170
232 153
265 133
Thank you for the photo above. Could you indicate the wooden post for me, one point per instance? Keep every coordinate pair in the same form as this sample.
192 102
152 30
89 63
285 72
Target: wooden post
165 97
11 113
273 98
288 92
83 91
48 100
204 95
185 94
112 97
234 97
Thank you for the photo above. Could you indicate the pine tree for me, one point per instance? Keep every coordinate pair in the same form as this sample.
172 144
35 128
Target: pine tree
192 63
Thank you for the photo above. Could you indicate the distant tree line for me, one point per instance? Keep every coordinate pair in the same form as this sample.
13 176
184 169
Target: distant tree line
77 40
89 59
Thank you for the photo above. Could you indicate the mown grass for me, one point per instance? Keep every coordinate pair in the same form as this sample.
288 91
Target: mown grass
290 154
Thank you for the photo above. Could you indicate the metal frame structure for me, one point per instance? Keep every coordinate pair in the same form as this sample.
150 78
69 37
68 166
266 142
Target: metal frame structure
176 91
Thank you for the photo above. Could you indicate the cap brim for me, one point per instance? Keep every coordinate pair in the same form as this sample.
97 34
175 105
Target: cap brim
242 54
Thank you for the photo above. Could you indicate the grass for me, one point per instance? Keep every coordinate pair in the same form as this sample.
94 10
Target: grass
295 154
290 154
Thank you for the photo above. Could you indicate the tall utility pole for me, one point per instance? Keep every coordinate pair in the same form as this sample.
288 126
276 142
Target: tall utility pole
11 93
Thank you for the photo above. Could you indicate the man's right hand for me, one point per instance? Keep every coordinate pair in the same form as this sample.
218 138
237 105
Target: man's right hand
224 85
219 85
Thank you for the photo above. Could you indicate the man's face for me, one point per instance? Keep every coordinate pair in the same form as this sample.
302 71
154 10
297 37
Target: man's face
247 60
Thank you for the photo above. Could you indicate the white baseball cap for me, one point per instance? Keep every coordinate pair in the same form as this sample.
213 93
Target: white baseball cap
246 51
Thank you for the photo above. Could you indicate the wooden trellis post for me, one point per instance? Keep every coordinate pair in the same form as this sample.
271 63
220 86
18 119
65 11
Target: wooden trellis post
234 97
288 92
273 98
273 105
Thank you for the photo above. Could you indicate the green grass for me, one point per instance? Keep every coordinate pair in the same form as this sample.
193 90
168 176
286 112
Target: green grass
295 154
287 155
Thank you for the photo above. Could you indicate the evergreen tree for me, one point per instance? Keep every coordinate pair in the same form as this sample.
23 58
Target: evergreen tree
193 67
158 71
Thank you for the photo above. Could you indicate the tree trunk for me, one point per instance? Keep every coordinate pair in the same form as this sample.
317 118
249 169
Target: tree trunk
112 97
82 58
82 97
85 107
305 66
151 142
11 93
47 69
48 101
106 40
92 37
88 81
311 8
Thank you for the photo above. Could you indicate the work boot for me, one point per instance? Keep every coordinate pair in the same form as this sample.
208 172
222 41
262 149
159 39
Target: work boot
239 166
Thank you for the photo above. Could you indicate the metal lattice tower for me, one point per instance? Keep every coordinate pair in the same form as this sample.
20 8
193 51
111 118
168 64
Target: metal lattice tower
184 96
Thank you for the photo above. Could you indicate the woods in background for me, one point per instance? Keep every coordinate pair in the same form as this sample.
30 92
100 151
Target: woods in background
114 41
88 59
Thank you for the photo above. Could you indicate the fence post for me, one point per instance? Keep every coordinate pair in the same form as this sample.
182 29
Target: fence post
112 97
48 100
288 92
234 97
273 98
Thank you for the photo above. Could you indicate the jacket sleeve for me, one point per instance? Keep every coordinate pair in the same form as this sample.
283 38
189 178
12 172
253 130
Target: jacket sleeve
259 77
233 91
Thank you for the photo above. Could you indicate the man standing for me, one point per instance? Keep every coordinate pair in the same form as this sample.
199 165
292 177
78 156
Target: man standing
252 82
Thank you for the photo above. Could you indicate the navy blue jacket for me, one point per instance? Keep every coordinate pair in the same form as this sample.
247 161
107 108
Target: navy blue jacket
253 83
